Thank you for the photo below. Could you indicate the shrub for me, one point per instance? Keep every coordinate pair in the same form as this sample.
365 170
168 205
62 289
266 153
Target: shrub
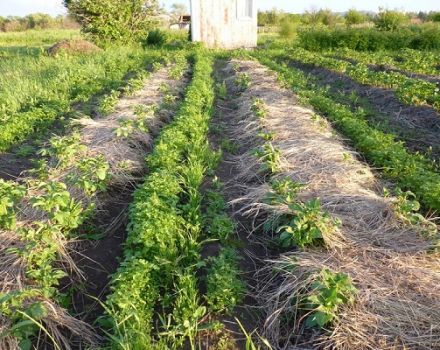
287 29
389 20
107 21
156 37
354 17
366 39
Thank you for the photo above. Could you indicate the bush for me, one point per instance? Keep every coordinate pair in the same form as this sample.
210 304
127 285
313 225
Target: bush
156 37
366 39
109 21
287 29
354 17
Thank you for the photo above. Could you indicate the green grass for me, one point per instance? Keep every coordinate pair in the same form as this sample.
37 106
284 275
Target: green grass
36 38
36 89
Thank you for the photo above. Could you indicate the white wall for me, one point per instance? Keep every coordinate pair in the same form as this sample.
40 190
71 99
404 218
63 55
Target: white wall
215 23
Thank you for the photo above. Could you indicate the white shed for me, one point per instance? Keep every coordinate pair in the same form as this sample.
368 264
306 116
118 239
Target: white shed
227 24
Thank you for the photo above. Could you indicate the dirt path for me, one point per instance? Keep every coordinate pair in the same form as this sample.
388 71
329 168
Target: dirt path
222 136
387 260
417 126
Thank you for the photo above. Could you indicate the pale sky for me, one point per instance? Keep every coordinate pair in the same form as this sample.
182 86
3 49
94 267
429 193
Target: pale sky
54 7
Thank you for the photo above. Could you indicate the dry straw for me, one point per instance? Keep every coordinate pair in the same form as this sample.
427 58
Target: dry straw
390 263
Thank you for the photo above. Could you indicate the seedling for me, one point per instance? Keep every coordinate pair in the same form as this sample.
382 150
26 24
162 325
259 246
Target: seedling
259 108
243 81
109 102
271 158
329 292
284 191
10 194
307 226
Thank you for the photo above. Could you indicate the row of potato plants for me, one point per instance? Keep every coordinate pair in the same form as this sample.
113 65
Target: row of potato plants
154 299
408 60
409 90
303 226
44 240
409 171
68 87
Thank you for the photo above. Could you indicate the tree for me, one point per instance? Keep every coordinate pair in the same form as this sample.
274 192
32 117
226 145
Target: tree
353 17
179 9
389 19
107 21
434 16
328 18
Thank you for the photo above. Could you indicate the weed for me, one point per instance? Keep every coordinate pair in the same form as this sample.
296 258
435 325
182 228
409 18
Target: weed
229 146
222 90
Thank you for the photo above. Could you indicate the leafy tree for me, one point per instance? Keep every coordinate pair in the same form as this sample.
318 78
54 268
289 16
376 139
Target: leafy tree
328 18
389 19
270 18
39 21
107 21
434 16
179 9
353 17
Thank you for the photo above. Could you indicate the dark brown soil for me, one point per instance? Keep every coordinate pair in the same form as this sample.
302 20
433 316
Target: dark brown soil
417 126
250 251
12 166
99 260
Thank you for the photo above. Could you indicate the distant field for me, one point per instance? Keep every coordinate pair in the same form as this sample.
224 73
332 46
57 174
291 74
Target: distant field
35 38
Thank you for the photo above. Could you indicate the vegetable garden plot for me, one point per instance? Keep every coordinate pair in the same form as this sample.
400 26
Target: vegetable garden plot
154 301
409 62
42 217
410 91
352 241
417 126
409 171
37 91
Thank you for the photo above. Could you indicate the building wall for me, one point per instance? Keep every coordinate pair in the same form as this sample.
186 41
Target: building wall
218 24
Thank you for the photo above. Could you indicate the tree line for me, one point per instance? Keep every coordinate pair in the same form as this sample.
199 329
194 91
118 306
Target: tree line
36 21
385 19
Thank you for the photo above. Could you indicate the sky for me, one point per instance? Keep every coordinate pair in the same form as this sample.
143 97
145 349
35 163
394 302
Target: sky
55 7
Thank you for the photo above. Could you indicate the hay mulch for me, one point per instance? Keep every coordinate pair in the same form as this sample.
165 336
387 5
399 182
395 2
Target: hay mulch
390 263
